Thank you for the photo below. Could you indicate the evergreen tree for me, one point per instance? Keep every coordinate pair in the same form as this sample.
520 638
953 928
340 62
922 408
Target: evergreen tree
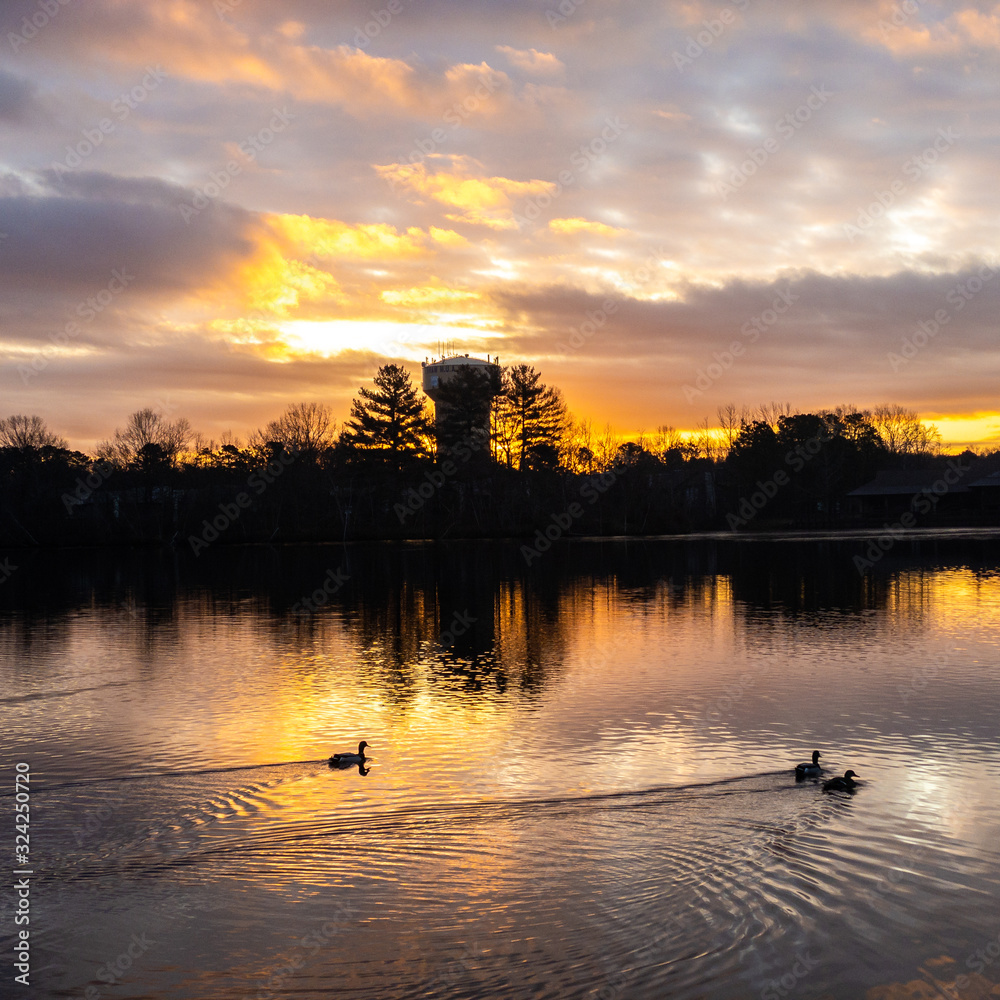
389 420
531 418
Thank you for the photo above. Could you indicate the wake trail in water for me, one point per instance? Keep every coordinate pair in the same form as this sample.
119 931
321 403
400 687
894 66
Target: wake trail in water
38 789
432 827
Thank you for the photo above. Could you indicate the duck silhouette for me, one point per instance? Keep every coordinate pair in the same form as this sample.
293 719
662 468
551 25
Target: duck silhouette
809 770
844 784
342 759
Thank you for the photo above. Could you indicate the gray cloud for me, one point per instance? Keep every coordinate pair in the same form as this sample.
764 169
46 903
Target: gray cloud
851 205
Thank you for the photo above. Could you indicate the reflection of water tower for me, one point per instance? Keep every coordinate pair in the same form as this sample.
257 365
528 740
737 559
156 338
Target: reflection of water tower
438 374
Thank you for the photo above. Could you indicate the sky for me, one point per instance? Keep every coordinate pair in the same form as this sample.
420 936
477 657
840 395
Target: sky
217 209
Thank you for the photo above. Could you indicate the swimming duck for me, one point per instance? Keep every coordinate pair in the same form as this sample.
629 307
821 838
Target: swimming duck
844 784
351 758
807 770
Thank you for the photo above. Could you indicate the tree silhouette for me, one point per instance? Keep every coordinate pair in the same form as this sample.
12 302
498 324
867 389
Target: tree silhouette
388 421
304 429
145 427
531 418
21 432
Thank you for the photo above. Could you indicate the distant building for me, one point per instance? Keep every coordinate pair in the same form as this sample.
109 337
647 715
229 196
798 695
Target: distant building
894 491
438 374
987 490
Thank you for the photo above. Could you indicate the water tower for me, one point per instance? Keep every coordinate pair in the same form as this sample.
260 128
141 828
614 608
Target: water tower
437 375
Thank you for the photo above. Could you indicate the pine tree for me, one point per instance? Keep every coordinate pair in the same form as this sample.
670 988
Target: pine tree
532 418
388 420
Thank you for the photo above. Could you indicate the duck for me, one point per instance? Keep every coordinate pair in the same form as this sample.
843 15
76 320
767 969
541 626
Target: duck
807 770
844 784
350 758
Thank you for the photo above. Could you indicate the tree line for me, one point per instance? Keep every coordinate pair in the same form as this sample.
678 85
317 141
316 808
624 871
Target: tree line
509 461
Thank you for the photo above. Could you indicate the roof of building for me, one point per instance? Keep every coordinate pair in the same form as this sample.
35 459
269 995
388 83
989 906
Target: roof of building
993 479
904 482
458 359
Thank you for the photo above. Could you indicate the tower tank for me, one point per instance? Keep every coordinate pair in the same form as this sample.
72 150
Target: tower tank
437 374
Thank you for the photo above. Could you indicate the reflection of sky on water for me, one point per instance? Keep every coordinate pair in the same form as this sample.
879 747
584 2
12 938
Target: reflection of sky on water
493 811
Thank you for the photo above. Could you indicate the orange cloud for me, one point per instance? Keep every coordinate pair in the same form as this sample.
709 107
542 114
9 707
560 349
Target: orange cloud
432 294
303 234
484 201
578 225
215 50
902 29
533 61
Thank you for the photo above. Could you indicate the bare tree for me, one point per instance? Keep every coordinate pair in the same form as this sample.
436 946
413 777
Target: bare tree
146 434
902 432
21 432
668 440
706 441
731 422
303 427
606 447
770 413
579 455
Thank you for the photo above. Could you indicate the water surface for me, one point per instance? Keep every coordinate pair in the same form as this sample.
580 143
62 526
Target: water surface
580 784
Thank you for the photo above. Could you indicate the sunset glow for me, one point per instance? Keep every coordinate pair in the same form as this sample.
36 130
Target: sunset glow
588 192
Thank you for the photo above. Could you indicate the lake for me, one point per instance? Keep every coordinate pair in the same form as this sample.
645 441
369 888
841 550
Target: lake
580 777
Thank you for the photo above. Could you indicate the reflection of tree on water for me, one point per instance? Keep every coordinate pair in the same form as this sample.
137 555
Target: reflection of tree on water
461 612
471 617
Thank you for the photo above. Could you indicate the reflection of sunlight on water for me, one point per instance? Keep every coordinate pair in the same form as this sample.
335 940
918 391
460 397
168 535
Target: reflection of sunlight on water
540 804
